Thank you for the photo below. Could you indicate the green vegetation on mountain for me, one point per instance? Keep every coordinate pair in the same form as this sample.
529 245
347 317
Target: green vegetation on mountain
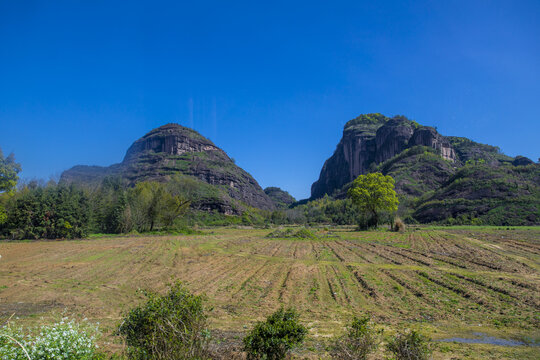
417 170
281 198
483 194
366 123
468 150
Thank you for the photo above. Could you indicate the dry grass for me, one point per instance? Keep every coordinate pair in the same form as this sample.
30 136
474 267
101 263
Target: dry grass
443 282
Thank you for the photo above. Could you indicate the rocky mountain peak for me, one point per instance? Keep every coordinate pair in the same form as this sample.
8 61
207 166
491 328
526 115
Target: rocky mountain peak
372 139
172 139
174 149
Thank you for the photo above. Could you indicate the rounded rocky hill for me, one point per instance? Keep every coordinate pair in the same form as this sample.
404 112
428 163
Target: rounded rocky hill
174 149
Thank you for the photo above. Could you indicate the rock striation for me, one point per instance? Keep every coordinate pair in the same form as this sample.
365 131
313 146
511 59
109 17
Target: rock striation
174 149
370 140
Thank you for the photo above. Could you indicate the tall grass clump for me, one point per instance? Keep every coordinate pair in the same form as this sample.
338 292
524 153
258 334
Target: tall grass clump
360 340
410 345
170 326
62 340
399 225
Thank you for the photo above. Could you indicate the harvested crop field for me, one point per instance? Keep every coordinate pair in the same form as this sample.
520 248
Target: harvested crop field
446 282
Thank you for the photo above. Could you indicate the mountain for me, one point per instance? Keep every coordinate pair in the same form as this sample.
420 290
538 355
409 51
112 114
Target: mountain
174 149
437 178
281 198
372 139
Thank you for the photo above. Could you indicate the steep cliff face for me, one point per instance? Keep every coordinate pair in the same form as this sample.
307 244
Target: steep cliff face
392 138
370 140
353 155
173 149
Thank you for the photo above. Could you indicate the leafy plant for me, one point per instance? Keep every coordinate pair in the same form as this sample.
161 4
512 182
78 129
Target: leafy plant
170 326
273 338
360 340
62 340
409 346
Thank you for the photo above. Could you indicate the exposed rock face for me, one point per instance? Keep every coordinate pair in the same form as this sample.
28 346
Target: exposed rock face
370 140
392 138
172 149
428 136
281 198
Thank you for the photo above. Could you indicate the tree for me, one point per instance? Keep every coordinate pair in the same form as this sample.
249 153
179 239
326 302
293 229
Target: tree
8 180
374 193
150 203
8 173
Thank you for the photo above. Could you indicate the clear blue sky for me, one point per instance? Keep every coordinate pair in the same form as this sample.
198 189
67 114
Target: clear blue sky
271 82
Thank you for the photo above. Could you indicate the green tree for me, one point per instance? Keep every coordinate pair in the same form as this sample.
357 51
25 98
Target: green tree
8 172
374 193
8 180
151 204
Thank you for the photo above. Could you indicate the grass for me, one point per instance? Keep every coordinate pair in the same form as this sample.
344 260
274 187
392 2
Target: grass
447 281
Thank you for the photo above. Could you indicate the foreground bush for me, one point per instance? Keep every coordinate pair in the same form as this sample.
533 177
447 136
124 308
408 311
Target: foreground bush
361 339
409 346
63 340
170 326
273 338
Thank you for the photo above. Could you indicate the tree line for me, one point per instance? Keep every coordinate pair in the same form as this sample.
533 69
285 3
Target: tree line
57 210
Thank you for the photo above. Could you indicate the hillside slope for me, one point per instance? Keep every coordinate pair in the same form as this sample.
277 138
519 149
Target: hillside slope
504 195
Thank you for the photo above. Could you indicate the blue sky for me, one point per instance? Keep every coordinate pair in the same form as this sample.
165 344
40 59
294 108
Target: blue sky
272 83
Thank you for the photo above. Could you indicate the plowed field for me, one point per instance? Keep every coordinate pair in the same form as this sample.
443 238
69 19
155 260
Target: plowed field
447 282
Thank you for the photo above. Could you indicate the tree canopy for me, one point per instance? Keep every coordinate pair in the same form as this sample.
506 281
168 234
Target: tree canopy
373 193
8 172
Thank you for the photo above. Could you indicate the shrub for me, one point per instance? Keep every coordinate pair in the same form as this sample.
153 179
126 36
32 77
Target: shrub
63 340
399 225
360 340
273 338
170 326
409 346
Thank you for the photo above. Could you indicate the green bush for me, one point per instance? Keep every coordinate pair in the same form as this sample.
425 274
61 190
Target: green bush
63 340
361 339
409 346
273 338
170 326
